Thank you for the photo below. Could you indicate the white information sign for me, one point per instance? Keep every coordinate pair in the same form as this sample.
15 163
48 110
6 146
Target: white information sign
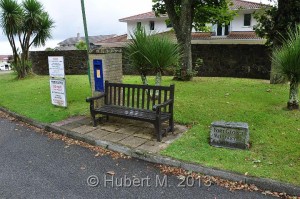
56 66
58 92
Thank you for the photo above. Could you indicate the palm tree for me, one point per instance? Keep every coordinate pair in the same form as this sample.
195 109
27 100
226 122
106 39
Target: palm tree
30 24
134 51
151 53
287 62
161 53
10 20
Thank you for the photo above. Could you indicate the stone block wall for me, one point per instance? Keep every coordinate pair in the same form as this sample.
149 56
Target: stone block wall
220 60
225 60
75 61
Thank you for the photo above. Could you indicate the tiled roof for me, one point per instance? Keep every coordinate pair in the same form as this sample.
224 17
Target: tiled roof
245 5
201 35
147 15
120 38
232 35
4 57
117 41
237 4
243 35
92 39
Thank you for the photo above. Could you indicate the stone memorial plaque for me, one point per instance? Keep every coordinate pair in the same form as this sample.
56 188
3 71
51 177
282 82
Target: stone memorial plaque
229 134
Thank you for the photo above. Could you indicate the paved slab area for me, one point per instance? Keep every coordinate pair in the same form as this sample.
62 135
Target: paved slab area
34 166
124 132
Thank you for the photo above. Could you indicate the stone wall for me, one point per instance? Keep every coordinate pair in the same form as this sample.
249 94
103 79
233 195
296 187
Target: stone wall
248 61
75 61
220 60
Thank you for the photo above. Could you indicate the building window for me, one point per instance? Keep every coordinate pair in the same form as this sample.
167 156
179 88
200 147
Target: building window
247 19
222 30
151 24
138 25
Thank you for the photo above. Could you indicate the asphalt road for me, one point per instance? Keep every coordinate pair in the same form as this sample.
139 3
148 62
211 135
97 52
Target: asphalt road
34 166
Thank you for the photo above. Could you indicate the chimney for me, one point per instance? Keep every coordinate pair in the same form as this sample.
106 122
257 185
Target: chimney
78 36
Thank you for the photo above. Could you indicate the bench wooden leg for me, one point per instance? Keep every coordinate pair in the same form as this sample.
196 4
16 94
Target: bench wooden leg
94 120
158 130
107 118
171 124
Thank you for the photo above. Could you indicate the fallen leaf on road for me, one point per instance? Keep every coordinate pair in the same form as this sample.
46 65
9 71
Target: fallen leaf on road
97 155
111 173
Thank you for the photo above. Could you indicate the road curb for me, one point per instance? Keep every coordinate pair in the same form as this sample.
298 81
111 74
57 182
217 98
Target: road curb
262 183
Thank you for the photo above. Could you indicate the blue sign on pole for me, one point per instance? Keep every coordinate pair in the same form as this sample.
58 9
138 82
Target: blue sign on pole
98 75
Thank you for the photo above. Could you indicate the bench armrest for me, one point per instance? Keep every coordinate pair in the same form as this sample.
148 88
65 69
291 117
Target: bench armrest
166 103
89 99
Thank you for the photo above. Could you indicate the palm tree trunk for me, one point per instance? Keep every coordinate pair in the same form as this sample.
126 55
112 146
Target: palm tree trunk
144 79
293 102
158 79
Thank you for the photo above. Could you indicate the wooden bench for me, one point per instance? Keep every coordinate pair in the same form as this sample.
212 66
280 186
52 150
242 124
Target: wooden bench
152 104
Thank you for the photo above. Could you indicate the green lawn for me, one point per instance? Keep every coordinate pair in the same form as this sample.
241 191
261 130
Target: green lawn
31 97
274 131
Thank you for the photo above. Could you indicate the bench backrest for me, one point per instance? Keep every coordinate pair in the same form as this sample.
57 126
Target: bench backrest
138 96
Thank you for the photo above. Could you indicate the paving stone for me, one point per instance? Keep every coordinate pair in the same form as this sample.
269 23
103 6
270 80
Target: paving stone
153 146
142 124
129 130
133 141
110 127
98 134
85 121
84 129
144 135
71 126
115 137
180 129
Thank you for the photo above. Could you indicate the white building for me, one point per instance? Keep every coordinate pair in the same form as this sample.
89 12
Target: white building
4 62
240 30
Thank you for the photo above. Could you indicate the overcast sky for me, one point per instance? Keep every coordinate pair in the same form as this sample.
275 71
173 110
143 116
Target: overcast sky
102 18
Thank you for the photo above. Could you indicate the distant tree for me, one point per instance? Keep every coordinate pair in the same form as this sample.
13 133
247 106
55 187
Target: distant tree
274 21
286 61
81 45
186 14
28 24
49 49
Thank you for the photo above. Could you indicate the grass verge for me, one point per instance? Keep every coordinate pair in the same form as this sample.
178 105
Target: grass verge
274 131
31 97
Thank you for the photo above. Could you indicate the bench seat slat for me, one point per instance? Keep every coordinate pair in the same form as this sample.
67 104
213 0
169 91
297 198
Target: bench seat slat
131 112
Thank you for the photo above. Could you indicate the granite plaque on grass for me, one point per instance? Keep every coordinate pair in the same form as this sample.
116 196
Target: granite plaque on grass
229 134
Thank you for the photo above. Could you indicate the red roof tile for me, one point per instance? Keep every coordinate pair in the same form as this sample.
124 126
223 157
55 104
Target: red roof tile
243 35
120 38
4 57
239 4
147 15
201 35
232 35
